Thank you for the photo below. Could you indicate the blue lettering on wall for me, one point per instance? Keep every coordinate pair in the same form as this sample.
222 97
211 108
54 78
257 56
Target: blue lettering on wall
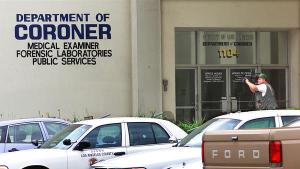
67 26
62 31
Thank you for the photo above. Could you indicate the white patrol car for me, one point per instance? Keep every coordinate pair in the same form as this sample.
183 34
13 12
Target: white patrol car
84 143
184 165
188 151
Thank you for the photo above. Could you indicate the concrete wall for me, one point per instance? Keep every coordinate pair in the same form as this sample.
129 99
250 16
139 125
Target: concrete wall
226 15
69 90
143 45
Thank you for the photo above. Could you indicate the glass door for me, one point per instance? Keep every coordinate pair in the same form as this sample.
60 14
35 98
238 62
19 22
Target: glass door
223 91
213 92
241 98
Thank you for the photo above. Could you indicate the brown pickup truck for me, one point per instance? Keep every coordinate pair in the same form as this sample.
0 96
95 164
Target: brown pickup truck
252 149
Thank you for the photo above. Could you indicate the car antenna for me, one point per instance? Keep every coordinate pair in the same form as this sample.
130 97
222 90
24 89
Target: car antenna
102 117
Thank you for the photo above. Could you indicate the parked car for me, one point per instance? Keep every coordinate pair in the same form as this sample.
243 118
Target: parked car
25 134
184 165
189 149
252 149
83 143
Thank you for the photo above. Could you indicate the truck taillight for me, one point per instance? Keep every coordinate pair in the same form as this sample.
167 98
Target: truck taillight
202 151
275 152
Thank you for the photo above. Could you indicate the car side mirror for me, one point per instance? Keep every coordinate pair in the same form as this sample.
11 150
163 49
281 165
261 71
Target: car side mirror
35 143
67 142
83 145
173 139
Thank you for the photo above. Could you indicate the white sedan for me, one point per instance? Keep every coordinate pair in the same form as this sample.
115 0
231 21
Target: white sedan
193 165
189 149
84 143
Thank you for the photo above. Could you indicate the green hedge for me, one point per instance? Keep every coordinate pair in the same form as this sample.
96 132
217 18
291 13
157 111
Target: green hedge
189 126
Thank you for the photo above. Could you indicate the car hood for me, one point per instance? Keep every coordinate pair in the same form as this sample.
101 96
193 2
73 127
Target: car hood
192 165
31 156
158 158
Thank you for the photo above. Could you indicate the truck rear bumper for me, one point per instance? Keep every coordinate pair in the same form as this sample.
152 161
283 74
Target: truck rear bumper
230 167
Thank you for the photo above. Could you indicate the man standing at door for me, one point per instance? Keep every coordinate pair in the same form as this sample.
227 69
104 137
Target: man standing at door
264 93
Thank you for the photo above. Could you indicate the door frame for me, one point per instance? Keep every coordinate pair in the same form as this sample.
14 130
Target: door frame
227 69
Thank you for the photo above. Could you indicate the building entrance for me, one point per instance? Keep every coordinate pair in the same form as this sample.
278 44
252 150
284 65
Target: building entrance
210 66
207 92
222 91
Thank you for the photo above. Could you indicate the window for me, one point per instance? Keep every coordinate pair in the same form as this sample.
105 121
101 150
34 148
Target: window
3 133
146 133
295 123
216 47
272 47
194 139
277 78
185 47
52 127
231 47
72 132
105 136
287 119
161 135
185 94
268 122
24 133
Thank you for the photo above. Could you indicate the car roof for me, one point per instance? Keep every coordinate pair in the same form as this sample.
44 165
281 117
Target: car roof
26 120
119 120
259 114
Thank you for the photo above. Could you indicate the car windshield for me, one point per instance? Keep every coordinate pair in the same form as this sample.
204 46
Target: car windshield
194 139
72 132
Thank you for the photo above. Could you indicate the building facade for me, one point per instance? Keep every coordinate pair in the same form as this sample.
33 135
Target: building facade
185 58
213 44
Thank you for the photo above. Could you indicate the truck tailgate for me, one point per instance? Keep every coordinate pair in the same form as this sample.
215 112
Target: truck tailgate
230 149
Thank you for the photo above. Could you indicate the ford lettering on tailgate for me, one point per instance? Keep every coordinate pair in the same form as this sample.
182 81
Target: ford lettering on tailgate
228 153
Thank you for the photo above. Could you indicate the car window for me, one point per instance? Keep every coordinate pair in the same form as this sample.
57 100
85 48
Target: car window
72 132
105 136
141 134
268 122
24 133
53 127
295 123
161 136
194 139
3 133
288 119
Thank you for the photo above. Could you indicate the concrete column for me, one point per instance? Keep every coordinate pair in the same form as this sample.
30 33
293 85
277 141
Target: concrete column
294 61
134 59
146 57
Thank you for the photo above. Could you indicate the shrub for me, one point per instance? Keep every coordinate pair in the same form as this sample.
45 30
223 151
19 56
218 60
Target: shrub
189 126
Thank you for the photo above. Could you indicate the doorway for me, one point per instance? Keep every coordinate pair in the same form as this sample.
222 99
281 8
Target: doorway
223 91
207 92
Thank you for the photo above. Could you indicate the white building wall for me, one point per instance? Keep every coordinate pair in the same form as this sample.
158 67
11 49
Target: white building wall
224 15
143 43
69 90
